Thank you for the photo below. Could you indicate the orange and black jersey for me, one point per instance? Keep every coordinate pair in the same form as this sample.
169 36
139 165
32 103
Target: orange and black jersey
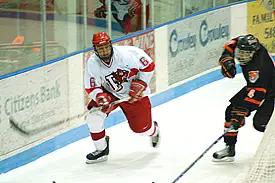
229 50
229 47
259 74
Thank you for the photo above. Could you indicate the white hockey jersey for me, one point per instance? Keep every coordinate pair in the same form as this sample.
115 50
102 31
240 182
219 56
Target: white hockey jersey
122 6
127 63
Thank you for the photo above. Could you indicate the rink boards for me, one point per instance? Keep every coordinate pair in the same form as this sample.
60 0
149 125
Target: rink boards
185 51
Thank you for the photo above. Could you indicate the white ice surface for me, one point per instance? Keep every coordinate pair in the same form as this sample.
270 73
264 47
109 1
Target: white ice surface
188 124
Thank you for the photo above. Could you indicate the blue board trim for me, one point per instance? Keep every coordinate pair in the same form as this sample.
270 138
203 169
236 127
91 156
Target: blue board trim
81 132
115 40
115 118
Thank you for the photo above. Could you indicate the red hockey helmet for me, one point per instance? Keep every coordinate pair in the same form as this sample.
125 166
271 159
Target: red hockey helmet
101 38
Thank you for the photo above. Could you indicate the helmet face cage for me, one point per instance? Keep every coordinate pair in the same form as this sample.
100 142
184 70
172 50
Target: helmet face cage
247 46
100 54
244 56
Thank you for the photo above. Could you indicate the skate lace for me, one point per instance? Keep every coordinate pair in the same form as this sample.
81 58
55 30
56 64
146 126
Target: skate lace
97 152
225 150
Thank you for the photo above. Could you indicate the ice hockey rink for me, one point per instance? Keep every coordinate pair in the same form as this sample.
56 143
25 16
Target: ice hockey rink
189 124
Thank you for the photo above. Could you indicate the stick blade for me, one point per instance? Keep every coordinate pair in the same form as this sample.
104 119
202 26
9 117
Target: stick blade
15 126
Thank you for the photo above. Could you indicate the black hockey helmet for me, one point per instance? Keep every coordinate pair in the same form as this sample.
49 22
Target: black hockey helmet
247 46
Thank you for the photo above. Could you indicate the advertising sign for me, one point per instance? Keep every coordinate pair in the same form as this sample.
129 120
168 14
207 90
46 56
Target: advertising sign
195 44
261 23
33 99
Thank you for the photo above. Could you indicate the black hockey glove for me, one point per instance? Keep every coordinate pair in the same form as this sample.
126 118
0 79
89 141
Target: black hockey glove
238 115
228 67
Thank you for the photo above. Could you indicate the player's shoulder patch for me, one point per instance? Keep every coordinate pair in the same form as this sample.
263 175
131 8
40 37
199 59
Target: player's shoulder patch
253 76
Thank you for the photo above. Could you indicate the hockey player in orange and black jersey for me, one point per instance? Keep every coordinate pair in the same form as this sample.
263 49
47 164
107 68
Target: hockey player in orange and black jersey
258 94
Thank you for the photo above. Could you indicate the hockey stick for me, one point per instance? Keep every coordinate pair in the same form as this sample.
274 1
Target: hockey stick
19 127
192 164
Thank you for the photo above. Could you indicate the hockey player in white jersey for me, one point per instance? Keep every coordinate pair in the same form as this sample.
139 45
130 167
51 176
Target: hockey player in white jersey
112 73
128 13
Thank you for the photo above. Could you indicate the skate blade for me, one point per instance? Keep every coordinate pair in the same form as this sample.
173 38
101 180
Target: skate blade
155 144
101 159
226 159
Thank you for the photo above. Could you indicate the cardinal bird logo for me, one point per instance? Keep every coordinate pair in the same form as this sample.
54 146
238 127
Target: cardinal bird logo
121 76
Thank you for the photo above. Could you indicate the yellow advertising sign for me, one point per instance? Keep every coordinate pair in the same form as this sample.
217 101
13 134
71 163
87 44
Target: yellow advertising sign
261 23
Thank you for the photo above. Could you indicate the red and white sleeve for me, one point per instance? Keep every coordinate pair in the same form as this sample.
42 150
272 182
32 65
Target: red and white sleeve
92 84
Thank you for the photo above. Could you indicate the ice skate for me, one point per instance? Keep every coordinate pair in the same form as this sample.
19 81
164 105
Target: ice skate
225 155
98 156
155 139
